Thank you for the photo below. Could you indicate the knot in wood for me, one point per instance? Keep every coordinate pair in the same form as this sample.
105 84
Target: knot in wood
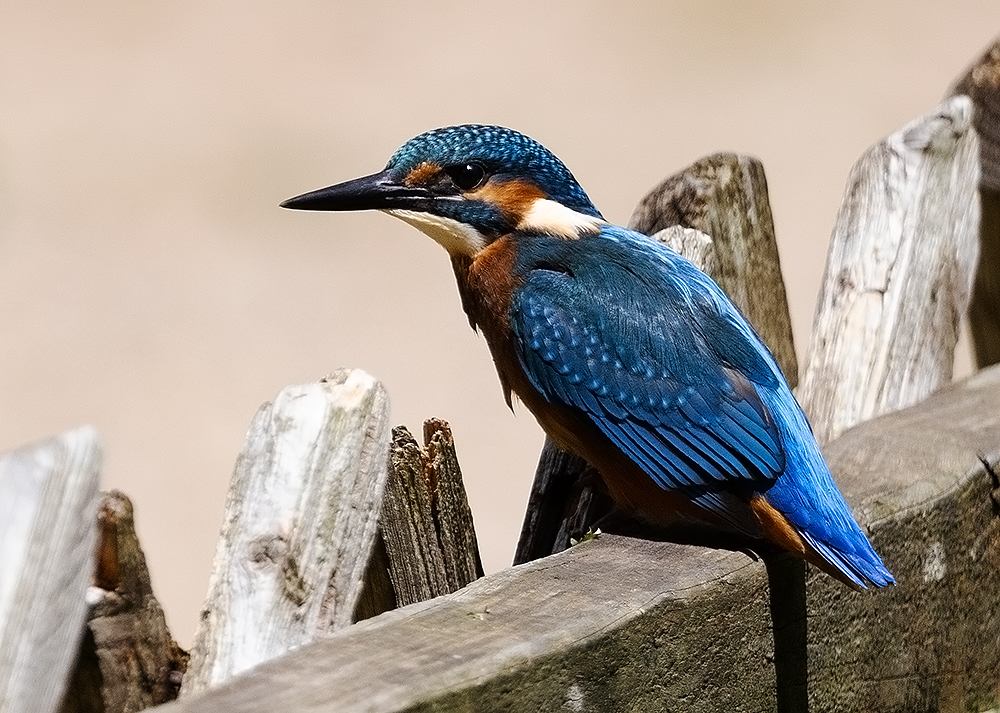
267 549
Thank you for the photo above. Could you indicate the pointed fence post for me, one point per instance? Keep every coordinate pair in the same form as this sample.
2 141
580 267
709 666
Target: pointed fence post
299 527
426 545
898 274
127 661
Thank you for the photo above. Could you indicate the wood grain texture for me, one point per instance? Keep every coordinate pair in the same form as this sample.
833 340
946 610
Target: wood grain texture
426 526
48 530
127 661
453 515
898 274
981 83
625 625
416 563
299 525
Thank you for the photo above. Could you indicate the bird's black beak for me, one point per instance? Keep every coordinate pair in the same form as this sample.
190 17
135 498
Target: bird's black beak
376 192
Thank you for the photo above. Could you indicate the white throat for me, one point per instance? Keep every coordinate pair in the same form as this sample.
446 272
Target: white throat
457 238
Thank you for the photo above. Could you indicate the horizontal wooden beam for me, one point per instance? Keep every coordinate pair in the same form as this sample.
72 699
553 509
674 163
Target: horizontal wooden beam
621 625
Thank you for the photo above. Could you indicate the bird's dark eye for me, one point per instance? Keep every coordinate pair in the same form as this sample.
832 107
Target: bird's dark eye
467 176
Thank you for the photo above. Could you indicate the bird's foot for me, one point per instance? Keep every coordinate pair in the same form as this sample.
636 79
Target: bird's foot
590 534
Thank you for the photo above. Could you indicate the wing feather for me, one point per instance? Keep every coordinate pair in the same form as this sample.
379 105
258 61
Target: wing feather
651 380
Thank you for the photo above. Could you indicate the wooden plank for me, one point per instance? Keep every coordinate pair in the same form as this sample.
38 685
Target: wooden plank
127 661
898 274
932 642
981 83
426 527
48 529
299 526
622 625
511 623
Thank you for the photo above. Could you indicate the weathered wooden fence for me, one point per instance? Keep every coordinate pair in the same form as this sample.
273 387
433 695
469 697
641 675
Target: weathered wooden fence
347 576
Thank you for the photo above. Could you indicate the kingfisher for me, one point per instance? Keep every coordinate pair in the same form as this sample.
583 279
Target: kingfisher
626 353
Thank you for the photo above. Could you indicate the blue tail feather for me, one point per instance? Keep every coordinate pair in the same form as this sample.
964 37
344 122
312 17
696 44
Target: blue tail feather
824 520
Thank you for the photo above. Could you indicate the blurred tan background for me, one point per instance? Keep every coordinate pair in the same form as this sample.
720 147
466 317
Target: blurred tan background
149 284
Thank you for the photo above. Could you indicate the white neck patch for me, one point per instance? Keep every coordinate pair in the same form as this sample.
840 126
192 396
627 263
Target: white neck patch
552 218
457 238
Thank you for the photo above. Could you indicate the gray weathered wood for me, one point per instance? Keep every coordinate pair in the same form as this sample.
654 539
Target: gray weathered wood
696 246
898 273
416 563
299 526
426 526
498 645
128 661
725 196
625 625
48 529
982 84
453 515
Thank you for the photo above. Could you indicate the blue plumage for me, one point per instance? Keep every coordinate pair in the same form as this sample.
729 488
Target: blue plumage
624 350
672 384
503 152
659 397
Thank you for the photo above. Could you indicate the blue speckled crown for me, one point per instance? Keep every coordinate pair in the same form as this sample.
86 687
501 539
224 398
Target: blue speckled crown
501 151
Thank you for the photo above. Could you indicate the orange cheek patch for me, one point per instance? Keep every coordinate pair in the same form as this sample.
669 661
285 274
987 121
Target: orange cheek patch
513 198
423 174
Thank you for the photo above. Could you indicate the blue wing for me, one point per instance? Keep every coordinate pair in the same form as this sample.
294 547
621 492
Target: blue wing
658 361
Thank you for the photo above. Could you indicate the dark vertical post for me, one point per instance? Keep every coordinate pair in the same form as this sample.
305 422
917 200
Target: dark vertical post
786 582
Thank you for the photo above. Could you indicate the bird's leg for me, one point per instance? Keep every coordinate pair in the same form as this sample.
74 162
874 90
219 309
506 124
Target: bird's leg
786 582
586 509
